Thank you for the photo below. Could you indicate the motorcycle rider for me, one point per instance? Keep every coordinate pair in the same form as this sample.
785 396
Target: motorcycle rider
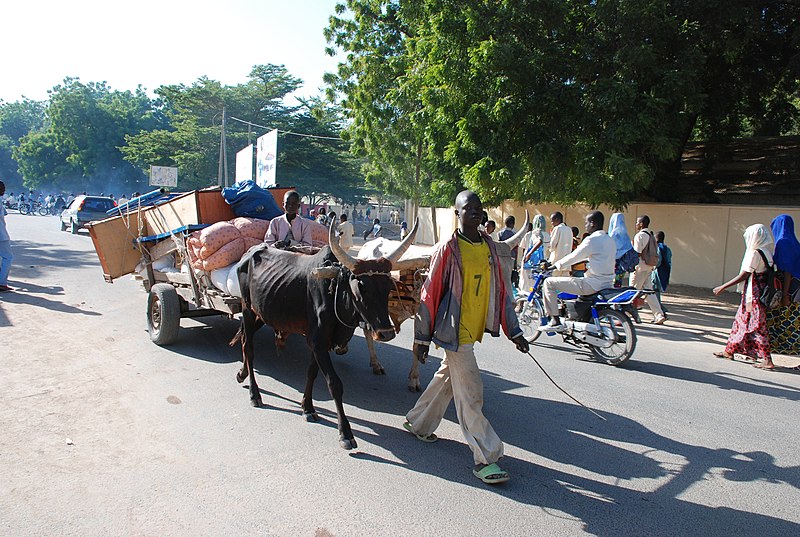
599 250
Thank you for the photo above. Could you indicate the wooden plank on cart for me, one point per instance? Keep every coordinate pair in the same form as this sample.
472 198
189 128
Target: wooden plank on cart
113 241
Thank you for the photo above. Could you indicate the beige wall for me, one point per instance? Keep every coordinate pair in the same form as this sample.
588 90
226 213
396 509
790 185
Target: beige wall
706 240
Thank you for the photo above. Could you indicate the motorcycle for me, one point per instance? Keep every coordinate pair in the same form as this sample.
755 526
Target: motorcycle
601 321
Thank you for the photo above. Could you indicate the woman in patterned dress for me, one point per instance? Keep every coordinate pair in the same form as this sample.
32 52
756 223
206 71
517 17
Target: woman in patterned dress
784 322
749 336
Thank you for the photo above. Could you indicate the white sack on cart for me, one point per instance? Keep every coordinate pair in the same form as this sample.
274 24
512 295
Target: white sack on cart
233 282
226 280
219 277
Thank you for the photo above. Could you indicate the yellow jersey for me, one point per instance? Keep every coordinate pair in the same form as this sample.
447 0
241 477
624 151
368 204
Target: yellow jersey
477 273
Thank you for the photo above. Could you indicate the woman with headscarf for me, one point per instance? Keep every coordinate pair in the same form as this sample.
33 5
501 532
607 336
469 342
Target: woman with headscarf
534 244
784 322
626 256
749 336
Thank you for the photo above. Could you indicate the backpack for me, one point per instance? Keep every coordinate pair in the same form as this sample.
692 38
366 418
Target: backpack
650 252
770 295
628 261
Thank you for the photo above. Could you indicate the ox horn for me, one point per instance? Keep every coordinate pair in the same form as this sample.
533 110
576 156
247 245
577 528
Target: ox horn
344 258
395 256
514 241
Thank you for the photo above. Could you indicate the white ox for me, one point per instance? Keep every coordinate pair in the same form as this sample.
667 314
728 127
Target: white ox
412 269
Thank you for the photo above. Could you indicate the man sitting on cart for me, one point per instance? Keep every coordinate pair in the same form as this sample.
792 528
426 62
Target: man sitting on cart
287 229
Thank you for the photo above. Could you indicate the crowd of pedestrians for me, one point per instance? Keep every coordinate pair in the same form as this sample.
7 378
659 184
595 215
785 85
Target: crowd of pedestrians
643 262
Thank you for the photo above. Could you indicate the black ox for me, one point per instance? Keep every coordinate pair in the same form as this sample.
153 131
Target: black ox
323 296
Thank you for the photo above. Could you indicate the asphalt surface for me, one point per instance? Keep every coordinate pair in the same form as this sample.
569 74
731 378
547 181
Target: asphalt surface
104 433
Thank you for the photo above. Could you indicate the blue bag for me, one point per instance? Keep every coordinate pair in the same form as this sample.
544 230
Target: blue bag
246 198
535 259
628 262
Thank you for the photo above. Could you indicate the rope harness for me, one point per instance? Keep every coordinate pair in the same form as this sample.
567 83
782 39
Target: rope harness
335 290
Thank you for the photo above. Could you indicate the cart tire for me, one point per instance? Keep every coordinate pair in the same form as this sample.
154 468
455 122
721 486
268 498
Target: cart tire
163 314
73 227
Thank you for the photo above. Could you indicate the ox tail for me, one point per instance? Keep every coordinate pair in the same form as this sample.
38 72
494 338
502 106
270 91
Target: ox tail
237 339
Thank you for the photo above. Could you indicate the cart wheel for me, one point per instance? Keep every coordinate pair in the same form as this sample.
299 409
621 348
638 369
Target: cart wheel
73 227
163 314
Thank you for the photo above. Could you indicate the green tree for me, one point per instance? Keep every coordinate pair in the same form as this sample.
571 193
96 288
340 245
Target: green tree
16 120
78 146
319 165
577 100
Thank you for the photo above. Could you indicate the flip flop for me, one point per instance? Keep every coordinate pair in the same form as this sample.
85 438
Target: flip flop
430 438
491 474
764 367
719 354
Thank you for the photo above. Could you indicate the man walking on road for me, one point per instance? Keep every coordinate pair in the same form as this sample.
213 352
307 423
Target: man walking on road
646 246
463 297
5 245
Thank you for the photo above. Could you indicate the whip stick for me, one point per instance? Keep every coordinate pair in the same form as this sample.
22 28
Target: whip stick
562 389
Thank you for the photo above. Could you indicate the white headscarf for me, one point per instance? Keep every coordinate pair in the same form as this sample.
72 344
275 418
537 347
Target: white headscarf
756 237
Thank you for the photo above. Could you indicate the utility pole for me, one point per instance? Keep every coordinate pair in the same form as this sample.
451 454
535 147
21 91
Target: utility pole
223 154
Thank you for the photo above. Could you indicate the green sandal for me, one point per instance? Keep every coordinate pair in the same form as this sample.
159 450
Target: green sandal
430 438
491 474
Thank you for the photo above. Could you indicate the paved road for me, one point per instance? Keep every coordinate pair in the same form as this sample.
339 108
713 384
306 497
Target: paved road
105 433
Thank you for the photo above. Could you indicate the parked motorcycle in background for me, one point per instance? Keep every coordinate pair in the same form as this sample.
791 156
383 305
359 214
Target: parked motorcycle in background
600 321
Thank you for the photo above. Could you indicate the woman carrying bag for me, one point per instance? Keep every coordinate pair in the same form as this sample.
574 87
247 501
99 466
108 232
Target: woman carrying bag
749 336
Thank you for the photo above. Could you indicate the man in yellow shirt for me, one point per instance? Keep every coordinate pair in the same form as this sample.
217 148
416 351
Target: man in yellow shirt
463 297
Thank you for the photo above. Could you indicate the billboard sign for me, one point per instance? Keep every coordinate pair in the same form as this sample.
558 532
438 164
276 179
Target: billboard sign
163 176
244 164
267 159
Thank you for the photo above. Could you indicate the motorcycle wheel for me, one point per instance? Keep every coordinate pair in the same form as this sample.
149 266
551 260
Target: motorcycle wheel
624 333
529 316
42 211
24 208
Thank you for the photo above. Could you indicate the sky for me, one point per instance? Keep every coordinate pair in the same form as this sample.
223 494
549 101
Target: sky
158 42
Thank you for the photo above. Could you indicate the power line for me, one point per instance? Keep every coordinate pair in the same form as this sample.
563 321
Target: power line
286 132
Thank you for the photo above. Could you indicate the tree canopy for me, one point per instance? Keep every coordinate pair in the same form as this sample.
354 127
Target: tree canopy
87 136
574 100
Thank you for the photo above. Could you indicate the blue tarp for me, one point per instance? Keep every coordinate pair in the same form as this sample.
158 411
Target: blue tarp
145 200
246 198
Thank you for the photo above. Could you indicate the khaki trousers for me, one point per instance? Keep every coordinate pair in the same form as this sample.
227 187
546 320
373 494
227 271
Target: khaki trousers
553 286
640 279
459 379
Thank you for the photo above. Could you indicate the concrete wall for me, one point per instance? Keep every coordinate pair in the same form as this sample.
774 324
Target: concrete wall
706 240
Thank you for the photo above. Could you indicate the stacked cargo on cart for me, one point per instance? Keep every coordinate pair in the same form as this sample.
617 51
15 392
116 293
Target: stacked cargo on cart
180 246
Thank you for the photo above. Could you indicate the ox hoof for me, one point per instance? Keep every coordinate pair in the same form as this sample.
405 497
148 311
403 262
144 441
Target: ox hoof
340 349
311 417
413 388
240 377
348 443
378 371
256 403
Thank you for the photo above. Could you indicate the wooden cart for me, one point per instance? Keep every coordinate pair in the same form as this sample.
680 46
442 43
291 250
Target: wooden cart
133 241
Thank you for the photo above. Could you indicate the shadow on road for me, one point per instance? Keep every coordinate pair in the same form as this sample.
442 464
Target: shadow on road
611 454
31 295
